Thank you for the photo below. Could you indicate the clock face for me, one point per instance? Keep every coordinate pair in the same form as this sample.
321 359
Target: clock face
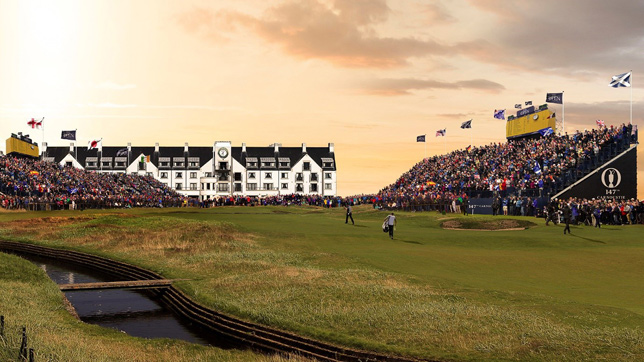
223 152
535 117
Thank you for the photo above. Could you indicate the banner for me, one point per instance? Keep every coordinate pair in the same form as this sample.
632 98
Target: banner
480 206
616 180
554 98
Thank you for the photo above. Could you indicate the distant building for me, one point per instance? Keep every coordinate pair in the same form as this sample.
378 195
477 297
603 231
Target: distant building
209 172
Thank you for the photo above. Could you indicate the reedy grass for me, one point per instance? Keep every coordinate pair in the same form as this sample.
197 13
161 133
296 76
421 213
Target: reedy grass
296 269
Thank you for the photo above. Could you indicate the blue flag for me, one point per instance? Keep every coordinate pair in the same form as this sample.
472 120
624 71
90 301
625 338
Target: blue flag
621 80
420 138
546 131
554 98
537 168
499 114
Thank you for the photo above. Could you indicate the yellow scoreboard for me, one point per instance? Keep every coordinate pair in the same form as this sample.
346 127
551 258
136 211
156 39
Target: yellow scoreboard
22 146
528 121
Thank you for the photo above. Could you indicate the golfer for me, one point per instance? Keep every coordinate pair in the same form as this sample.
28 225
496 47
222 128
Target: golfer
391 222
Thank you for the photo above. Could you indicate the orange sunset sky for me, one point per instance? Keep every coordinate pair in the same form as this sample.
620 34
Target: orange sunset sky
366 75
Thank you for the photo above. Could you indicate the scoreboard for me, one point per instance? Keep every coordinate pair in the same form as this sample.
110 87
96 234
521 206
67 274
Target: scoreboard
20 145
529 121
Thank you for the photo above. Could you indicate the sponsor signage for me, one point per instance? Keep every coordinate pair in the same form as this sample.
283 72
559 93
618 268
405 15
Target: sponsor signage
616 180
525 111
480 206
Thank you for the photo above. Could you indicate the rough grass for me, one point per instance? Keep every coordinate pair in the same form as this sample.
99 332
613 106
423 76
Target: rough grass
31 300
430 293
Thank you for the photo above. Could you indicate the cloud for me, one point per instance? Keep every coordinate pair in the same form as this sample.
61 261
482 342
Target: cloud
404 86
109 85
552 36
341 32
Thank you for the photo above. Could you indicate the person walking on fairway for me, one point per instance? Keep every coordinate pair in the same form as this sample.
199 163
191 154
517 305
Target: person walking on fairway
391 222
349 214
567 215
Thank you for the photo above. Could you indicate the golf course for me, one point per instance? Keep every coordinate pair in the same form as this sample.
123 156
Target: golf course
448 287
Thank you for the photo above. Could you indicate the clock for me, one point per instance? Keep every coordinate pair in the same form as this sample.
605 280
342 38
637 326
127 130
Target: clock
535 117
223 152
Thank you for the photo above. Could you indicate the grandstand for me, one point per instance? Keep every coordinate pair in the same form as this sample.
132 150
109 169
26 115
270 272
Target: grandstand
540 168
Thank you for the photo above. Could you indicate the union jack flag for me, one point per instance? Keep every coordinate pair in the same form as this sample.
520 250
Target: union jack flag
600 123
440 132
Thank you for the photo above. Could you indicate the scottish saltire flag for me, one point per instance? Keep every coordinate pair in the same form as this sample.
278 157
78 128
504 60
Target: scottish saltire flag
546 131
518 105
122 152
466 124
621 80
528 103
499 114
552 115
94 144
537 168
68 135
440 132
600 123
420 138
554 98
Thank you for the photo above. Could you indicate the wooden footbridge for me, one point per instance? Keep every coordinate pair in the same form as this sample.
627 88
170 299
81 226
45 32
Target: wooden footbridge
128 284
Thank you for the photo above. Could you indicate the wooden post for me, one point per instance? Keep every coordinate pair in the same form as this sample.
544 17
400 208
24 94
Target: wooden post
1 326
23 345
32 356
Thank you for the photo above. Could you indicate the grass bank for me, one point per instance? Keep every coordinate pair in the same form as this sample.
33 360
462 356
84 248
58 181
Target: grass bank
532 294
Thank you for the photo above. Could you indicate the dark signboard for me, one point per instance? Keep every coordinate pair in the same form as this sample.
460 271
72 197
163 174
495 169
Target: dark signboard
616 180
480 206
525 111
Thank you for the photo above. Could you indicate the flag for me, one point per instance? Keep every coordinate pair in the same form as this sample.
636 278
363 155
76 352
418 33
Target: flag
68 135
554 98
94 144
468 148
34 173
552 115
145 158
600 123
537 168
122 152
528 103
420 138
499 114
518 105
466 124
546 131
35 124
440 132
621 80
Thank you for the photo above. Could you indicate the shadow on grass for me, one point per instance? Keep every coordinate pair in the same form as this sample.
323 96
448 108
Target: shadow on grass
588 239
409 241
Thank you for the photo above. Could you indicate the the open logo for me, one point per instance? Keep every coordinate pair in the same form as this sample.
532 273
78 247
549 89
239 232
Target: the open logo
611 178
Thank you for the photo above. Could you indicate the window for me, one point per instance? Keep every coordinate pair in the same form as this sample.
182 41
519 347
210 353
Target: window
269 175
179 186
193 164
268 186
299 177
148 174
328 186
306 166
285 175
223 165
314 187
327 175
327 164
193 175
164 164
251 175
193 186
222 187
238 187
208 174
252 164
164 175
68 164
299 187
207 185
237 176
284 164
141 166
314 177
106 164
179 175
284 186
251 187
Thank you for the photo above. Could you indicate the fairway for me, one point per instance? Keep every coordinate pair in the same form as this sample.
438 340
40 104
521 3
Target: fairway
533 294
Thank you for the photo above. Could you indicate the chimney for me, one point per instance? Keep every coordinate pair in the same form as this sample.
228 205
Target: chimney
129 147
71 147
276 147
331 148
243 148
156 147
303 147
185 148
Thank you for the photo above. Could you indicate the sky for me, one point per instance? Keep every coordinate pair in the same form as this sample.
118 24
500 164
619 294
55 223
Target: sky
366 75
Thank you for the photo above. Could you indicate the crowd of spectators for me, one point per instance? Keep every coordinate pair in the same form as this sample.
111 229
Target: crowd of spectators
38 185
534 167
280 200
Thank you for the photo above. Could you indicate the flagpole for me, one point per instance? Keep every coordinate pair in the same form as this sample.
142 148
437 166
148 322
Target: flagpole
631 121
425 145
563 112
